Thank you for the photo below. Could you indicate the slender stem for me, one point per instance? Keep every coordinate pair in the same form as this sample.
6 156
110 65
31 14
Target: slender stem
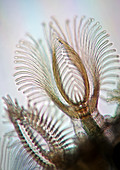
91 127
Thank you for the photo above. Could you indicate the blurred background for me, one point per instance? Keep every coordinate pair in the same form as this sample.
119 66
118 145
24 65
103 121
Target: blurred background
18 17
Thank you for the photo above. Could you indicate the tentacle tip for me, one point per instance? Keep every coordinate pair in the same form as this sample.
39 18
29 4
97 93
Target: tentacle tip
16 102
43 24
67 21
21 42
16 52
3 98
14 75
22 107
17 46
75 17
83 17
97 23
52 17
91 19
29 101
27 34
8 96
50 23
40 41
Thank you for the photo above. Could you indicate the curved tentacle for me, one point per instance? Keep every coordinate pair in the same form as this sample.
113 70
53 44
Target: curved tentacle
32 124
